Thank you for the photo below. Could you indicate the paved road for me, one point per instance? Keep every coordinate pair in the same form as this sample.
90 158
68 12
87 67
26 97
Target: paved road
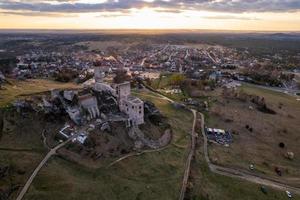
154 54
42 163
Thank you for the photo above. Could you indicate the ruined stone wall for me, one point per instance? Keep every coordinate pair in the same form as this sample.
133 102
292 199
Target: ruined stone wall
134 111
123 91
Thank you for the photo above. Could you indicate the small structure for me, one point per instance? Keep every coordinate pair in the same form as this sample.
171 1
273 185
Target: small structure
219 135
68 132
80 138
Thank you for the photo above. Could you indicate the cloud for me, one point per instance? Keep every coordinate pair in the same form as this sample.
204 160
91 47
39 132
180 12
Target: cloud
168 11
111 15
36 14
230 17
75 6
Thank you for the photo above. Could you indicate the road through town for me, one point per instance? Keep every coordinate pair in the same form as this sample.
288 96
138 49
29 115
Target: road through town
154 54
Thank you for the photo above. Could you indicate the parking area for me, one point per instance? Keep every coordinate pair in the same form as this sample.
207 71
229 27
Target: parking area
219 136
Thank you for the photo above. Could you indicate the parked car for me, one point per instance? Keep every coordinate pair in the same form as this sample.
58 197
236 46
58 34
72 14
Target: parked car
289 194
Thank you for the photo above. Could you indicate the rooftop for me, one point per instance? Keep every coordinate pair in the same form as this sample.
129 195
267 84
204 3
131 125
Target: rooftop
134 100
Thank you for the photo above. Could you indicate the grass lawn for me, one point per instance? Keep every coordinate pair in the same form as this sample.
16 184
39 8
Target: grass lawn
210 186
22 133
21 149
31 86
21 164
162 82
148 176
260 147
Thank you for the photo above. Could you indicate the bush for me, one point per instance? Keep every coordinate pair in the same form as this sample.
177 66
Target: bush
176 79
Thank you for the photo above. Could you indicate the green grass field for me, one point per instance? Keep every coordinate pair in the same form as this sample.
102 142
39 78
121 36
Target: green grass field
210 186
17 89
261 146
148 176
21 149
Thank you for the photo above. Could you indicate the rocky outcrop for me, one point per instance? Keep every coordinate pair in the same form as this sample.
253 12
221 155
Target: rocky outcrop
141 140
107 103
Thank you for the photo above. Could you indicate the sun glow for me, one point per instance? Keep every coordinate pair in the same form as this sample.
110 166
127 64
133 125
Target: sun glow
150 18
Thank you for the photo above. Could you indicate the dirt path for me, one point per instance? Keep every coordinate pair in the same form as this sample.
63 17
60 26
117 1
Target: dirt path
235 173
42 163
136 154
230 172
189 159
191 150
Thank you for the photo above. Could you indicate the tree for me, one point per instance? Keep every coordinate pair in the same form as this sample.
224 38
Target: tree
176 79
121 76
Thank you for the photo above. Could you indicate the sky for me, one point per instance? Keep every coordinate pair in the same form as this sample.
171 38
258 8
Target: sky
257 15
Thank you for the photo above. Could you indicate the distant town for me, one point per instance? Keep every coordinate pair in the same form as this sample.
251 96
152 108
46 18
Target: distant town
149 116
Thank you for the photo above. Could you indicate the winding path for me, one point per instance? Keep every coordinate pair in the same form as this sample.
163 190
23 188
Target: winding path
225 171
191 147
235 173
136 154
42 163
189 159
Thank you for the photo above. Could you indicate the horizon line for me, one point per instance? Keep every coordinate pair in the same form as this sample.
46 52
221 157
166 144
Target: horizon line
144 30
